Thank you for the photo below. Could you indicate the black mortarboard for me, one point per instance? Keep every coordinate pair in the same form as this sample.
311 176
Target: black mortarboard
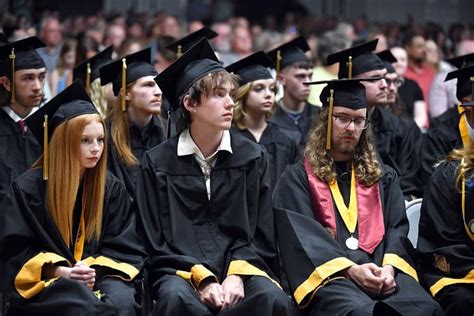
356 60
388 59
180 46
289 53
462 61
69 103
349 93
88 71
251 68
20 55
465 84
126 70
194 64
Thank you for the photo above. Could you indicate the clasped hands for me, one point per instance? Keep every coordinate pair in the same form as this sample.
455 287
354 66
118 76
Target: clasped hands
219 297
80 272
374 280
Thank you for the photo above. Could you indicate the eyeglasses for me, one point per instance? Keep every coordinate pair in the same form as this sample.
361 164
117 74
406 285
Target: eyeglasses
344 122
397 82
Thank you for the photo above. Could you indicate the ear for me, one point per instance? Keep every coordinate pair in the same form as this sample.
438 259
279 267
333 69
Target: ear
127 94
281 79
5 82
188 103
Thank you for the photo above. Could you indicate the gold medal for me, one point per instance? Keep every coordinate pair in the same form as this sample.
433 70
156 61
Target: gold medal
352 243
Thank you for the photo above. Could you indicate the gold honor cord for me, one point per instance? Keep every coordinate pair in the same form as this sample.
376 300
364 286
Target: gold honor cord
349 68
348 214
12 84
88 79
124 83
46 149
329 129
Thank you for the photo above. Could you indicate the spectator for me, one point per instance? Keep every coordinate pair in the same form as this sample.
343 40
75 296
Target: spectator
61 77
52 36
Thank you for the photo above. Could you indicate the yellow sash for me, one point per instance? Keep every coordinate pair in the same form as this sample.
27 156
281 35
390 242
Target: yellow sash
464 131
348 214
81 236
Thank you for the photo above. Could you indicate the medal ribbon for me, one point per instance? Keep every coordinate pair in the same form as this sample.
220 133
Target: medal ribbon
348 214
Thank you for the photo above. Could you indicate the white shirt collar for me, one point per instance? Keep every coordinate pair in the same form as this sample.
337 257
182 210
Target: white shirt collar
15 116
469 128
187 146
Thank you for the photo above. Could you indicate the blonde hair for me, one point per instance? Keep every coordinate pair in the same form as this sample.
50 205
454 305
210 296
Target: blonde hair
241 102
367 169
466 165
120 132
99 97
64 179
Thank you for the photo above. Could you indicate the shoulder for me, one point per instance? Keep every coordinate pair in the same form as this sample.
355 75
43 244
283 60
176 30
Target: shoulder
31 183
113 186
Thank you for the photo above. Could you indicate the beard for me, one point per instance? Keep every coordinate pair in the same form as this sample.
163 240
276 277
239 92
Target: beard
344 146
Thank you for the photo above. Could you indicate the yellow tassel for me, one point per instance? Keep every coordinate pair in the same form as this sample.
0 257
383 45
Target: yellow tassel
12 84
124 83
88 79
179 51
328 133
349 68
278 62
46 149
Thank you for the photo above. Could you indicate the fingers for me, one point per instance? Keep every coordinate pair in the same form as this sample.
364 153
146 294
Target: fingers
212 295
83 274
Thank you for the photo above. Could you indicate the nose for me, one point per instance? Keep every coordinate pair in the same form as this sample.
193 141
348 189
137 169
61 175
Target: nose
157 91
36 84
95 147
383 84
229 102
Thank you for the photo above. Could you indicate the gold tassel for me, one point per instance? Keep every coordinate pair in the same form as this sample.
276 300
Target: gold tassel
124 83
179 51
349 68
88 79
46 149
328 133
278 62
12 84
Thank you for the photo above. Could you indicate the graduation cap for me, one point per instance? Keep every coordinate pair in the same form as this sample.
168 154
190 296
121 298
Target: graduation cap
462 61
179 47
289 53
127 70
356 60
71 102
20 55
194 64
251 68
349 93
388 59
88 71
465 84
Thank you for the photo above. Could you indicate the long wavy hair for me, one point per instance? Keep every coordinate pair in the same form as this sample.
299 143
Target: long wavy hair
99 97
367 168
120 132
466 165
241 103
64 179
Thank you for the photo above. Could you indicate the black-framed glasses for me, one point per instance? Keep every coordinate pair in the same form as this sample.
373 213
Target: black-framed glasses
344 122
397 82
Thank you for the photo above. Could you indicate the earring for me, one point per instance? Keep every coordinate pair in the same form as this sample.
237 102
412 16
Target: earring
194 110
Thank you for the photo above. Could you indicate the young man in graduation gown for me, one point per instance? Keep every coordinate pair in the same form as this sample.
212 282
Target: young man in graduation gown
455 128
68 240
446 238
135 125
205 203
396 144
294 115
22 77
341 221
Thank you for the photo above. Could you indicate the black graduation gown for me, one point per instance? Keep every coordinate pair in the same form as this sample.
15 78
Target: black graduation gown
190 236
296 130
439 142
396 142
446 251
29 239
282 151
18 151
313 260
140 141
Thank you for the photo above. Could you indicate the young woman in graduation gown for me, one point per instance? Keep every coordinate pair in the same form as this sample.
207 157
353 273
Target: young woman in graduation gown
68 243
254 105
446 240
209 221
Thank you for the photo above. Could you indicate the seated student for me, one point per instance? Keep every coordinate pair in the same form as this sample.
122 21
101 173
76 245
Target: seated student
446 240
205 202
68 244
255 101
134 123
455 128
343 231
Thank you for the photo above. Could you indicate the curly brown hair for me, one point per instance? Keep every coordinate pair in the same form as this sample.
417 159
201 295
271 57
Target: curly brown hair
367 167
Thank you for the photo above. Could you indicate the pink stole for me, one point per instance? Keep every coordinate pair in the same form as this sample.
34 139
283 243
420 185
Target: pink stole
370 223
